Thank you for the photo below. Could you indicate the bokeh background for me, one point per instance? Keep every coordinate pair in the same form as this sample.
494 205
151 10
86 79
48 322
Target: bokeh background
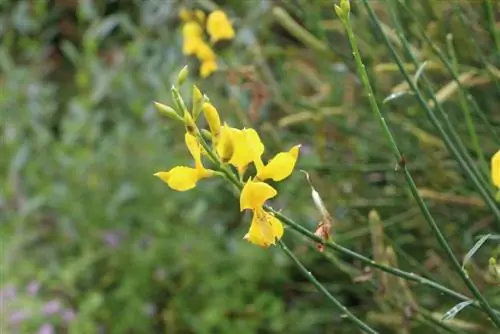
93 243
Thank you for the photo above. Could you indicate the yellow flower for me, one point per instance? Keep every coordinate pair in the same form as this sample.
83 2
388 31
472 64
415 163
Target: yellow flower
495 169
247 147
254 194
204 52
219 27
225 147
182 178
208 67
264 230
192 34
279 167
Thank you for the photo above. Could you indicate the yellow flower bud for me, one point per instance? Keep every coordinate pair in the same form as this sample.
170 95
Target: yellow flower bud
212 117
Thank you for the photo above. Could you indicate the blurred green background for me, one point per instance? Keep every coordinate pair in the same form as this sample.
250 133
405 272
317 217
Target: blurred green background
93 243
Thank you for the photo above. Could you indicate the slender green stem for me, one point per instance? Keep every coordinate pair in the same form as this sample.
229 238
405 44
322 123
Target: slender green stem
333 246
455 146
494 132
454 72
465 108
364 327
482 58
369 262
491 21
413 189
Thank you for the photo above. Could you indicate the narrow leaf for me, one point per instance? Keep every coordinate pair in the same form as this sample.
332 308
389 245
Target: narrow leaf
419 72
475 248
456 309
396 95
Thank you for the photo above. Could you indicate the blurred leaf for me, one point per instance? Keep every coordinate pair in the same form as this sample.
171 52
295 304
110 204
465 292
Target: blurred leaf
452 313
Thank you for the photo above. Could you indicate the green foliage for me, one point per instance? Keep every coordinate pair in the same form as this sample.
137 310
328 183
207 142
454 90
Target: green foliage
92 242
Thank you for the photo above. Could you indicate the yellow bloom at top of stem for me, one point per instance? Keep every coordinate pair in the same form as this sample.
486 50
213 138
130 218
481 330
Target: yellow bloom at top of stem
219 27
254 194
182 178
265 229
495 169
279 167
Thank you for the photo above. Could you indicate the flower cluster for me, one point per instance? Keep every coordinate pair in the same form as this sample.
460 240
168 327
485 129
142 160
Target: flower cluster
238 148
218 28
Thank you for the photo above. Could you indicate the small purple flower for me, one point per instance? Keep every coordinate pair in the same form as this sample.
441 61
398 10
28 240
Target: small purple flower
19 316
32 288
68 315
51 307
46 329
112 238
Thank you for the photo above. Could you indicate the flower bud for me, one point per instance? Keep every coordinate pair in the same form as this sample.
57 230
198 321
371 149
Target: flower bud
197 101
212 117
167 111
183 74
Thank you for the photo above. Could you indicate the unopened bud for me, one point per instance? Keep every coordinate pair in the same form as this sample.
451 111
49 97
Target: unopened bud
183 74
178 101
197 102
167 111
343 10
212 117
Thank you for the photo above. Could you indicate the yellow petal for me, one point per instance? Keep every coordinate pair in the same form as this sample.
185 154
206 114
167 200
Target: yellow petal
255 194
192 34
225 143
219 27
281 166
264 230
192 30
205 53
495 169
247 147
208 67
180 178
194 147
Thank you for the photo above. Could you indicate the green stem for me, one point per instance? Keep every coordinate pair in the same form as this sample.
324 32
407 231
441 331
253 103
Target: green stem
482 58
333 246
454 74
345 312
494 132
465 107
491 20
369 262
455 146
413 189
